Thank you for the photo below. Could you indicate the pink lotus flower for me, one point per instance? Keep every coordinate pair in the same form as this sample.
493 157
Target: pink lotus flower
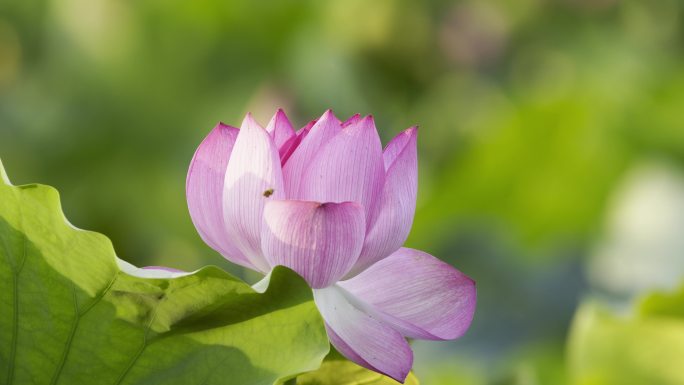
329 203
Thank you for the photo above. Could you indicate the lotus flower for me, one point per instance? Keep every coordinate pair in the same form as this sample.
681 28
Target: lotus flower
327 202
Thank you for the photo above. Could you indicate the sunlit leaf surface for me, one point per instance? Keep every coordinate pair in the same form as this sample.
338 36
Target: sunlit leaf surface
646 348
69 315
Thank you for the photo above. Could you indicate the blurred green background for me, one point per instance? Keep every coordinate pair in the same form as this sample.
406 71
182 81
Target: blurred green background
551 149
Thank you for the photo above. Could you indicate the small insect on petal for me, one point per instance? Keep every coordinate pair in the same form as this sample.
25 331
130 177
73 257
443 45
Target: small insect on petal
268 192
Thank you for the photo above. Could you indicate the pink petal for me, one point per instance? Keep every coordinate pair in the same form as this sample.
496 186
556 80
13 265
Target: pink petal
417 294
347 168
308 126
253 176
321 242
397 145
280 128
291 145
397 204
320 133
362 338
204 191
353 120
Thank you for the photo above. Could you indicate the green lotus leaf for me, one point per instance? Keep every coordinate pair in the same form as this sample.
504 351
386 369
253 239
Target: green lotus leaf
646 347
70 315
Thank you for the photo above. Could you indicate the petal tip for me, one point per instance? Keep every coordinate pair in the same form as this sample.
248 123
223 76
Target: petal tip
399 374
280 114
353 119
280 126
249 122
368 123
222 126
462 324
328 115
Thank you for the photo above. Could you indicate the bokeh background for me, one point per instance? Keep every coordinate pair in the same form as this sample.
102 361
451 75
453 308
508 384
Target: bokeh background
551 149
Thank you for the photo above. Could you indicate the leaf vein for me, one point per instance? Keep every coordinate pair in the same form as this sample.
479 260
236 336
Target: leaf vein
15 295
144 345
78 316
70 338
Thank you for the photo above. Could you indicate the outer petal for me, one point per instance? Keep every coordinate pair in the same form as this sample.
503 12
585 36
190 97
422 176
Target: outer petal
362 338
321 242
397 205
253 176
417 294
320 133
280 128
348 168
204 191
